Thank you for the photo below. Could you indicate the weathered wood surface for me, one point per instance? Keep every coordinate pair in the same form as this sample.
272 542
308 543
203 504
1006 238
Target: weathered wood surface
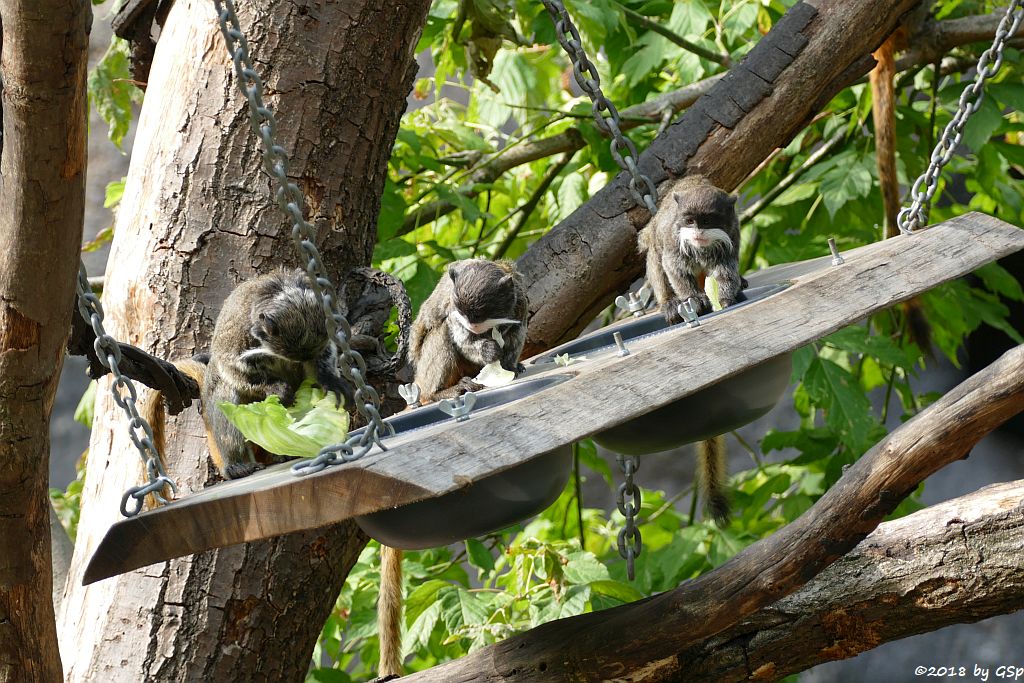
576 269
604 392
195 220
641 641
43 63
953 563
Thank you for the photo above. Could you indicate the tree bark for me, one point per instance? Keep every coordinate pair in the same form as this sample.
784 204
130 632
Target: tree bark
642 640
42 192
196 219
953 563
576 269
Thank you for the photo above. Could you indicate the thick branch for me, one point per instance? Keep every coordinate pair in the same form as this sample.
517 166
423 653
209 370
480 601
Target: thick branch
42 195
936 38
953 563
629 638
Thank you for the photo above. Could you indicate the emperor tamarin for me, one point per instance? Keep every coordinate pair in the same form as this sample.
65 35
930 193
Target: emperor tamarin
696 233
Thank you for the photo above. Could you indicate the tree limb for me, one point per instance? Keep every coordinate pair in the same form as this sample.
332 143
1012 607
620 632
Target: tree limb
643 639
953 563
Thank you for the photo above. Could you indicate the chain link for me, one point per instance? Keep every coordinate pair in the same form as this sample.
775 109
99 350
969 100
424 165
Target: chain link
291 201
628 501
915 216
622 148
606 116
125 396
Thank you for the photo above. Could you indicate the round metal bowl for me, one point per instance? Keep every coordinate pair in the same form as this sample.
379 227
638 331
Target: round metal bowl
714 410
493 503
601 340
726 405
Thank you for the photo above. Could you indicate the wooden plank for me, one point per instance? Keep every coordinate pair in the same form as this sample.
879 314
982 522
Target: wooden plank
603 392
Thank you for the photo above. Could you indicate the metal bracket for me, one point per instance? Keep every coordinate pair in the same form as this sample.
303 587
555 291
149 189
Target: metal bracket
411 393
837 260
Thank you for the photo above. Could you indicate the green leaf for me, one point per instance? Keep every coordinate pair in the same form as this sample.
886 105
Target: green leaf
1000 281
111 91
858 339
479 556
847 409
982 124
113 193
301 430
84 411
616 590
572 192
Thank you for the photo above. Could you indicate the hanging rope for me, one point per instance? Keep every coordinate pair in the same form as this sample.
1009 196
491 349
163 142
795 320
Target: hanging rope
292 202
645 193
109 355
915 216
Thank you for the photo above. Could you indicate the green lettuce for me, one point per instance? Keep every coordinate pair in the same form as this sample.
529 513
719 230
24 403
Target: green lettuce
301 429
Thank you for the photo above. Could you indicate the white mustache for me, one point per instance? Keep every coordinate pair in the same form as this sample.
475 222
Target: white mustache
696 236
480 327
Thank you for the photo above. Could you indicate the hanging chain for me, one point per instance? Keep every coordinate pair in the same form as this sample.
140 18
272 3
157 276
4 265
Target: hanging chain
916 215
291 201
123 389
585 73
628 501
644 192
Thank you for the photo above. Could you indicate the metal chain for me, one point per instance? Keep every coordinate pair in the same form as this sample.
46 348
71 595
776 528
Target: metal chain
628 501
109 355
291 201
915 216
585 73
644 192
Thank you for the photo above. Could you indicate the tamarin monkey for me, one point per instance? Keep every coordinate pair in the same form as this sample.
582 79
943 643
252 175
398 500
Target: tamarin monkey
696 233
883 113
476 315
270 335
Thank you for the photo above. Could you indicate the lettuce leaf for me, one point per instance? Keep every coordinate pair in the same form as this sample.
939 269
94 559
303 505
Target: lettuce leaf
301 430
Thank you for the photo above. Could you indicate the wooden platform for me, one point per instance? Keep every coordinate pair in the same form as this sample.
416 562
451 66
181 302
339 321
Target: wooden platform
604 392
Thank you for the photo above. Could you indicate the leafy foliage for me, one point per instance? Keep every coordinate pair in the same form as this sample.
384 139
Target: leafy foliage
112 91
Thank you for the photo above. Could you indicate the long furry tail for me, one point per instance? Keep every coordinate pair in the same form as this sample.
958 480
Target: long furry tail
152 409
389 612
712 472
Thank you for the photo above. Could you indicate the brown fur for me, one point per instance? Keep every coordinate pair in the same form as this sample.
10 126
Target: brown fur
711 476
389 612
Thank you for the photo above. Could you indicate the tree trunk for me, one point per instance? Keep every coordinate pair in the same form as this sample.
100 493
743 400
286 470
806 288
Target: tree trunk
196 219
42 195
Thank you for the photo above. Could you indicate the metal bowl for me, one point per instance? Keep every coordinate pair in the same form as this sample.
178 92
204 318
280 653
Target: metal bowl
714 410
726 405
652 323
493 503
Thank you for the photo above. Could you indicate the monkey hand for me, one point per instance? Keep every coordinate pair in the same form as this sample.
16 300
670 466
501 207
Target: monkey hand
284 391
670 309
466 384
338 386
490 351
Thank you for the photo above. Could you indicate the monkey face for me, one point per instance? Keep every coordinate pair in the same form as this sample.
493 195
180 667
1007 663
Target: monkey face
705 217
483 295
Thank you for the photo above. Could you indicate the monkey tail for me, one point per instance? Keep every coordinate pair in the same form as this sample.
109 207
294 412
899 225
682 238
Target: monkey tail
389 612
152 410
883 113
711 477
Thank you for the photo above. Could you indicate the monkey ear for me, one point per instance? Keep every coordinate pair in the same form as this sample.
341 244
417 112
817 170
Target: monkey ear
678 197
453 271
732 199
